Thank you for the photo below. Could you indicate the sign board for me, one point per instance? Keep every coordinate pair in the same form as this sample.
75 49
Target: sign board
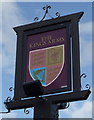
49 51
48 59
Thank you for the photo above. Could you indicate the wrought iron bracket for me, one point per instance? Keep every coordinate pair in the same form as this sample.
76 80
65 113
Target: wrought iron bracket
46 9
9 98
87 85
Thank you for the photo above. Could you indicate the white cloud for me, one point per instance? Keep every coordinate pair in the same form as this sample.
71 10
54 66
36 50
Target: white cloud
86 28
78 110
86 43
11 17
84 112
86 52
9 115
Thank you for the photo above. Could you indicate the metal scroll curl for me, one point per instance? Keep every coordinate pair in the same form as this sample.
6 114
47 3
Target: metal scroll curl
67 106
82 76
9 98
11 89
57 14
36 19
26 111
88 86
46 9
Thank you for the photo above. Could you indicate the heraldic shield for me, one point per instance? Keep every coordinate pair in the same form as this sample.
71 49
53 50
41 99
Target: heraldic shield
46 64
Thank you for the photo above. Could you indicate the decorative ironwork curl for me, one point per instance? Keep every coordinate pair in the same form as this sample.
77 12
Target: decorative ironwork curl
57 14
26 111
83 75
11 89
36 19
88 86
68 104
8 99
46 8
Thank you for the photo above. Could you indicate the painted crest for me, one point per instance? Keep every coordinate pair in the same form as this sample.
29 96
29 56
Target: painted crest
46 64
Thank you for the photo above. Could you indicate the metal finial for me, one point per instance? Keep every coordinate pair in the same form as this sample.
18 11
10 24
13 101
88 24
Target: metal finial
46 9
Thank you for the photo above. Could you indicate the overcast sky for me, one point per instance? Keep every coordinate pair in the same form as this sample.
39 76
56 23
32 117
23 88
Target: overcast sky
19 13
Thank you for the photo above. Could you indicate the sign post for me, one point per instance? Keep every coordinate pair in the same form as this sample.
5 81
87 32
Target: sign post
48 60
46 110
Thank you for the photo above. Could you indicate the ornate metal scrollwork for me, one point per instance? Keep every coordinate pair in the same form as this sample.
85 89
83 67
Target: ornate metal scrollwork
26 111
83 75
88 86
36 19
57 14
11 89
68 104
9 98
46 8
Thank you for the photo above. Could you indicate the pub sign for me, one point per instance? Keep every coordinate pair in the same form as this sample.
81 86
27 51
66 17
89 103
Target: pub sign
47 51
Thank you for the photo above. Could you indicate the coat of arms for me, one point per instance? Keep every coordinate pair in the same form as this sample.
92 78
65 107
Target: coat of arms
46 64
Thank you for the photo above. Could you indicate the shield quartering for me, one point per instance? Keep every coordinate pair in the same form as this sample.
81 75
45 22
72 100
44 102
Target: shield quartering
46 64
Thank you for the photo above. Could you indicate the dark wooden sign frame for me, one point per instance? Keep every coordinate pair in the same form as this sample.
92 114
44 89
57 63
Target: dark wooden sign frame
71 23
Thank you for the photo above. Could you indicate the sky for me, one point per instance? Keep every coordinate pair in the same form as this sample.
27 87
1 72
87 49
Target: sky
20 13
